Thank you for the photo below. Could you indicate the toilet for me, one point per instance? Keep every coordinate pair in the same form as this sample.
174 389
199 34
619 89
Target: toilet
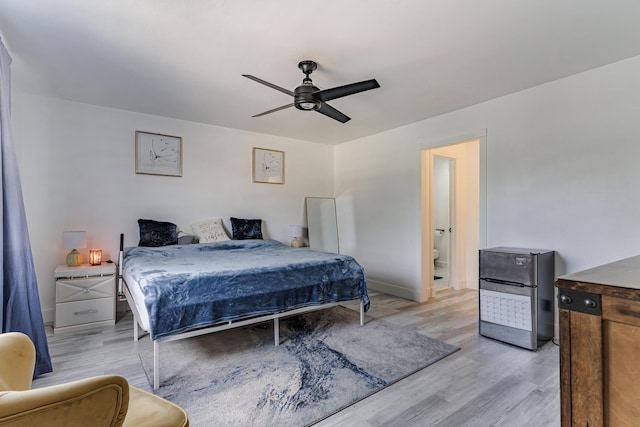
436 254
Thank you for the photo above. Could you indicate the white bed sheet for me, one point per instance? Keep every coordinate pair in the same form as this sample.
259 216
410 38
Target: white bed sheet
138 301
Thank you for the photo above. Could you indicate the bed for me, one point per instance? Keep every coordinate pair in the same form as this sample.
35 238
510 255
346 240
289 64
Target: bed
182 291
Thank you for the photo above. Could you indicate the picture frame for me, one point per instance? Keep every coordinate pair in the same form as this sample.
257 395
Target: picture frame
268 166
158 154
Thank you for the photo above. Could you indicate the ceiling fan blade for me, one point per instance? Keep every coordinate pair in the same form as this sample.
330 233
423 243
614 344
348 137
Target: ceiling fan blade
274 110
329 111
350 89
271 85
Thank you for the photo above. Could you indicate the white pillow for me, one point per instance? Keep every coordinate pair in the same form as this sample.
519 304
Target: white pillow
210 230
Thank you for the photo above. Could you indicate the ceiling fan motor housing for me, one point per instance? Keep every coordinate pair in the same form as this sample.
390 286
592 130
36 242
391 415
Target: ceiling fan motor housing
304 98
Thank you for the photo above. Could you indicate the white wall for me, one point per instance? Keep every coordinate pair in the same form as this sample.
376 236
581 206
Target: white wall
378 204
561 173
78 172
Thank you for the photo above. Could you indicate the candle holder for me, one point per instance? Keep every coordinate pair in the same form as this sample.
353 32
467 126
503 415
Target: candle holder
95 256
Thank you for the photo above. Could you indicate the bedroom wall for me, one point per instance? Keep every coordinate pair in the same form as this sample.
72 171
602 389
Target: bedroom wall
77 165
561 172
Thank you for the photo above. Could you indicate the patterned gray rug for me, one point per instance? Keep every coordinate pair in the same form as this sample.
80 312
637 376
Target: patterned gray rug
326 361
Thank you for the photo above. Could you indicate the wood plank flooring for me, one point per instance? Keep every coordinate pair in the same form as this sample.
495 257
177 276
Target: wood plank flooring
486 383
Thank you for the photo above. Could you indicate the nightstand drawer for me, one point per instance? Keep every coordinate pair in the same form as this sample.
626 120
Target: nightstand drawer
79 289
81 312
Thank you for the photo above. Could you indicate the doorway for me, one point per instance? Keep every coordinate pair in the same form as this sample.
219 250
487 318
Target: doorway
450 217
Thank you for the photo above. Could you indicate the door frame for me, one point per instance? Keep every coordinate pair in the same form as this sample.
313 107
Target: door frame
466 260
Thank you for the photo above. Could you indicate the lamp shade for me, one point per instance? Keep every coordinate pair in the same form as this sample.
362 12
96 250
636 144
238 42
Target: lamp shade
295 231
74 239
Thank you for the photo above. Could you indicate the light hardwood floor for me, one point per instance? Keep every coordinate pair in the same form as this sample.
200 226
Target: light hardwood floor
486 383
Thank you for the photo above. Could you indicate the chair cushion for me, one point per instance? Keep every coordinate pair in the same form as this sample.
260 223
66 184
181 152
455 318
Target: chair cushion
146 409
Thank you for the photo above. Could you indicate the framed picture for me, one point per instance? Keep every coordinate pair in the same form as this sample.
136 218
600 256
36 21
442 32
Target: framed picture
158 154
268 166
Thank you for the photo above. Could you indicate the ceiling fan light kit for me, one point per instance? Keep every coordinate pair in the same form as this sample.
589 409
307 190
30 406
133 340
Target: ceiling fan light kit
308 97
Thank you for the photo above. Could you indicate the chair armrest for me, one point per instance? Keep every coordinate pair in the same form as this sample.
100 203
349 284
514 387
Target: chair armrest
18 358
96 401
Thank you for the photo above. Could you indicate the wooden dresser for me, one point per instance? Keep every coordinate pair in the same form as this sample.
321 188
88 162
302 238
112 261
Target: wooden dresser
600 345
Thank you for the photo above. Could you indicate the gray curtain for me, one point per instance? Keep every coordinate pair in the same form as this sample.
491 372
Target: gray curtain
20 311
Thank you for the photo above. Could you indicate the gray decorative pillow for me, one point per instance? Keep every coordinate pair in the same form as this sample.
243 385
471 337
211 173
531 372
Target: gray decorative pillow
157 233
186 239
244 229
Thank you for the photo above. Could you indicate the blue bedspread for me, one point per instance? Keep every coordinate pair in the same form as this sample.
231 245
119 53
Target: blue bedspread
191 286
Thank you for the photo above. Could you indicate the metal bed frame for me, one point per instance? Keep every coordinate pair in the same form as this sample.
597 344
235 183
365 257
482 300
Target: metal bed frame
222 327
123 291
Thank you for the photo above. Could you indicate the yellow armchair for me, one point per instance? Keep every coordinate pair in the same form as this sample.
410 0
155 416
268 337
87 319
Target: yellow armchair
106 400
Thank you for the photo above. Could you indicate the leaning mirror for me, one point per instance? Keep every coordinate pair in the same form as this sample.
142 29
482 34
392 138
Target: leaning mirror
322 224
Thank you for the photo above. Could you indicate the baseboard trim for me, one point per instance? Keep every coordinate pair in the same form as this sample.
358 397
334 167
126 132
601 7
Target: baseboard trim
465 284
395 290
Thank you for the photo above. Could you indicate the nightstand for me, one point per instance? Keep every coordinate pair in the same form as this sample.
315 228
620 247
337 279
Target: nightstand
85 296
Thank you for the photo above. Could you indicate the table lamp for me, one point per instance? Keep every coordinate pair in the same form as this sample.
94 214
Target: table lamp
295 231
95 256
74 240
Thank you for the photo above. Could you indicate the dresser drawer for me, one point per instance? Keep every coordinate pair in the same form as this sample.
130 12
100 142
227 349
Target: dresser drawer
81 312
85 288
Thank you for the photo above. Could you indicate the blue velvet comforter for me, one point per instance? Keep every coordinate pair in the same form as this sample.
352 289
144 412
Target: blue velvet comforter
192 286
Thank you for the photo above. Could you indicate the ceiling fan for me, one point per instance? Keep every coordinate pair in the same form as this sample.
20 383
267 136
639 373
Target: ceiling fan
308 97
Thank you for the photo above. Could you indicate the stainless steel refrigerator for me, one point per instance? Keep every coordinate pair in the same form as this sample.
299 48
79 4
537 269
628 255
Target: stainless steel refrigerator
516 295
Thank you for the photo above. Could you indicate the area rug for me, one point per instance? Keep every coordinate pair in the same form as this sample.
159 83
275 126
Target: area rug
326 361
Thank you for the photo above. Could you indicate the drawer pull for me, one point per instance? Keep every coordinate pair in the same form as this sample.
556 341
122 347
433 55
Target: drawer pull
92 311
86 290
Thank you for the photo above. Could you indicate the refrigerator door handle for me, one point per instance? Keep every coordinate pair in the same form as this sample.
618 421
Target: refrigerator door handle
504 282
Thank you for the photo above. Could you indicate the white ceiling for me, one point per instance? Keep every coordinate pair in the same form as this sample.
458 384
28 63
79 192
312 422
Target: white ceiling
184 59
